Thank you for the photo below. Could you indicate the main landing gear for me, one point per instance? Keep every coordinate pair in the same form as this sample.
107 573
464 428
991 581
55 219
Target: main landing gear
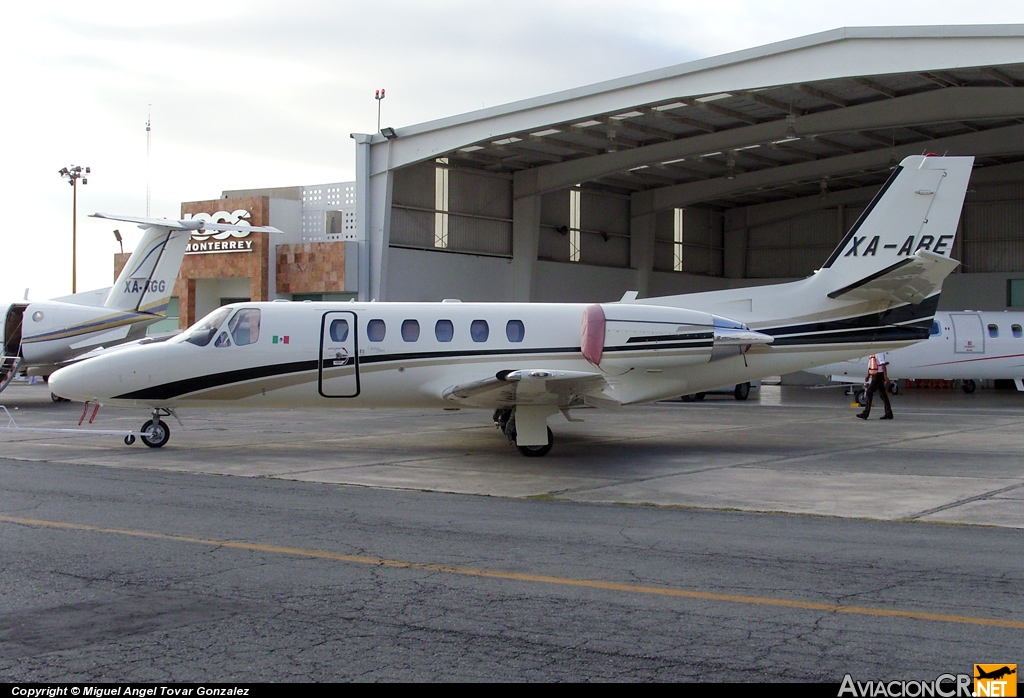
505 421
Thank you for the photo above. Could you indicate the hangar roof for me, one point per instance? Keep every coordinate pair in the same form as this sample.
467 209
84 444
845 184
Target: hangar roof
834 110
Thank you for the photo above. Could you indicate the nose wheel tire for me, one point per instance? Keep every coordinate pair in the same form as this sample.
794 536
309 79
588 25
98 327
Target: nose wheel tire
969 386
155 434
538 451
861 396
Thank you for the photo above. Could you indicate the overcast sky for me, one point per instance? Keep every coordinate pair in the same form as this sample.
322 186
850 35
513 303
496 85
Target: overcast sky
247 93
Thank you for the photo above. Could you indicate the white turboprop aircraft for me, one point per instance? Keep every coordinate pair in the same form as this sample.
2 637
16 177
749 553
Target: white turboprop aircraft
41 336
526 361
968 346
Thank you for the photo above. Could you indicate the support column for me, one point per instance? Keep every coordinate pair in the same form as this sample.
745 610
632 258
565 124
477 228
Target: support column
525 235
374 180
734 242
642 224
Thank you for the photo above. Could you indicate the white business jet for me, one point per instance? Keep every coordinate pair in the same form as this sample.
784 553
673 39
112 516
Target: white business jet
41 336
527 361
967 346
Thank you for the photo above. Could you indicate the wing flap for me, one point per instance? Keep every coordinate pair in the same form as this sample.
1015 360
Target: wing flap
529 387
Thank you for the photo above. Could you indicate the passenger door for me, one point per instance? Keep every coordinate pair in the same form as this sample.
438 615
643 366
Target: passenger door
967 333
339 355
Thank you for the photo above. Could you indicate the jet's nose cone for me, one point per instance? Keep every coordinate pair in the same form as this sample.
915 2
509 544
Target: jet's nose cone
71 383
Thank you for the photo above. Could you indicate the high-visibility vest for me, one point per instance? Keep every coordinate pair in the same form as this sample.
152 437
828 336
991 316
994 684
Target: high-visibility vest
872 365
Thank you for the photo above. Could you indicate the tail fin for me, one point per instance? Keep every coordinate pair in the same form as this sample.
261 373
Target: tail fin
899 249
147 280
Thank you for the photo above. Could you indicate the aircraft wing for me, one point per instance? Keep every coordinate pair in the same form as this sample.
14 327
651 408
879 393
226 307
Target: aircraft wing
910 280
196 225
529 387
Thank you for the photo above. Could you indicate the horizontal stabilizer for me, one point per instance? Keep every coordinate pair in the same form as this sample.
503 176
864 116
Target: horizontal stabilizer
909 280
196 225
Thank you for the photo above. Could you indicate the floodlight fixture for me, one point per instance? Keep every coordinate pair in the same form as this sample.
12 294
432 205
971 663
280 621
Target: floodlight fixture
73 173
388 133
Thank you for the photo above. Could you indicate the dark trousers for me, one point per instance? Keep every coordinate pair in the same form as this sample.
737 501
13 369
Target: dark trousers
877 383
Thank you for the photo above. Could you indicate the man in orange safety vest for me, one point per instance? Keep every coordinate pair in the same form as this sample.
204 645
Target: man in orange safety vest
877 379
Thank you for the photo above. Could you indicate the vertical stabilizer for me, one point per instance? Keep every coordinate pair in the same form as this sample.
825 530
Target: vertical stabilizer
147 280
914 216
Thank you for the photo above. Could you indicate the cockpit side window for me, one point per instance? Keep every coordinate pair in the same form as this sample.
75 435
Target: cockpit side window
203 331
223 340
245 326
936 329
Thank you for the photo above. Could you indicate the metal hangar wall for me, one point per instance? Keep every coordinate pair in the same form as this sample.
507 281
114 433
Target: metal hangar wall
736 170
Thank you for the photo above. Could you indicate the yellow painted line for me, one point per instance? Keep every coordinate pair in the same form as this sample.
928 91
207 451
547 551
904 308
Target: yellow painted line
537 578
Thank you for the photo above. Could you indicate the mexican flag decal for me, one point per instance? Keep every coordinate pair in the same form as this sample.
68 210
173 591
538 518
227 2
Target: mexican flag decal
278 339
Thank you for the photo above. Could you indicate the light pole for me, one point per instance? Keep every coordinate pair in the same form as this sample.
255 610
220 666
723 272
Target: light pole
73 174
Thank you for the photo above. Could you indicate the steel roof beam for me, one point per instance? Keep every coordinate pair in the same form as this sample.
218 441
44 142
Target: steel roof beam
720 110
877 87
770 102
980 144
935 106
822 95
1002 77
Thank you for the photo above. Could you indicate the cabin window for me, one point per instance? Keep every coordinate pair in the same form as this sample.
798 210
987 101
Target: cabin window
444 330
993 331
244 326
515 331
410 330
339 330
203 331
1017 331
375 330
936 329
478 330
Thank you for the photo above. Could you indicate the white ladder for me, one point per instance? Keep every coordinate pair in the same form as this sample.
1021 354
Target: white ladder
8 369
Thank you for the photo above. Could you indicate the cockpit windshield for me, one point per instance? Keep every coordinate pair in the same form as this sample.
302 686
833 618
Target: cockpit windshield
203 331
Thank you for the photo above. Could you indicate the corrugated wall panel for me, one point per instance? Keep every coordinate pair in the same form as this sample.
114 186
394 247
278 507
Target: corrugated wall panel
479 235
414 186
482 195
613 252
553 245
606 214
993 236
412 228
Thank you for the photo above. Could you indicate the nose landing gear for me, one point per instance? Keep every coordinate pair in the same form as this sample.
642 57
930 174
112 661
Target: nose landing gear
155 432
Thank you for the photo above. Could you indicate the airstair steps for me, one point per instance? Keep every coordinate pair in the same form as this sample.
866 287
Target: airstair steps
8 369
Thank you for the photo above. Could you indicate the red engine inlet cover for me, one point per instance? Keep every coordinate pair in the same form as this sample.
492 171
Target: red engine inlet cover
592 334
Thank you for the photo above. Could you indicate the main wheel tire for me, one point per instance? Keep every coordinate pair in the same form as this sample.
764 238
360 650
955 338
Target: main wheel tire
969 386
742 391
699 396
861 396
688 398
894 388
538 451
58 398
161 433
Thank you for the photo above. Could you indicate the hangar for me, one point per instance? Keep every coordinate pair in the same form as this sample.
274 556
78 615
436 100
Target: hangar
736 170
